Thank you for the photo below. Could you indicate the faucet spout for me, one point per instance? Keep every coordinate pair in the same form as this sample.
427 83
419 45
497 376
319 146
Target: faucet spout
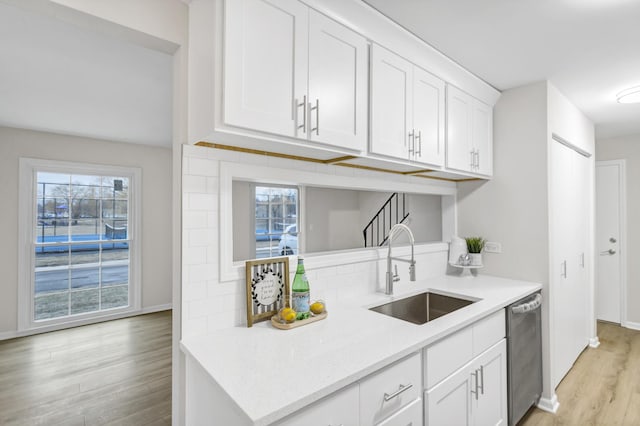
391 278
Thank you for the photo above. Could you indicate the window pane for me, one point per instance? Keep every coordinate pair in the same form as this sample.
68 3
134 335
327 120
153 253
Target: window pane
85 253
115 297
85 277
51 305
114 275
51 256
51 280
262 211
85 301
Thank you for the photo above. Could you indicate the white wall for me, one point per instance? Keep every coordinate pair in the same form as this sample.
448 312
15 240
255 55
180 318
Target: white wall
332 219
156 207
628 148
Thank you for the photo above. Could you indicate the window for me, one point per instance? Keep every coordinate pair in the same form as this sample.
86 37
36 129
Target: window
276 220
80 241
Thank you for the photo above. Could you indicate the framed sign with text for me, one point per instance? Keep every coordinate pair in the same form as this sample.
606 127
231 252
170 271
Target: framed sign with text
267 287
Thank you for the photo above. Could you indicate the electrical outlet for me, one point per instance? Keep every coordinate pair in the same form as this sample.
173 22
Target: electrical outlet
491 247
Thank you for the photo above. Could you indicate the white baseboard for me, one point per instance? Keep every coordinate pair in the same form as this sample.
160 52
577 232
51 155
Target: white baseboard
147 310
632 325
594 342
550 405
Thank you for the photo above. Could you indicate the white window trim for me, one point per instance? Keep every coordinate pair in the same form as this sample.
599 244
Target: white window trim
27 208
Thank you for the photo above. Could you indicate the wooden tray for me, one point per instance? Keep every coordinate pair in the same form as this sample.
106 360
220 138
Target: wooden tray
277 324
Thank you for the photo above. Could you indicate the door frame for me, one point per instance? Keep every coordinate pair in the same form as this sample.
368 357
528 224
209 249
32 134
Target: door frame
622 238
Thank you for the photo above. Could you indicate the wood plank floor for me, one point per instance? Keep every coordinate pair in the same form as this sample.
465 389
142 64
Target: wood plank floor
603 387
116 372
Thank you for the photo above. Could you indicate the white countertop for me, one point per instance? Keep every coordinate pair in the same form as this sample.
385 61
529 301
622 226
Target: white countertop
271 373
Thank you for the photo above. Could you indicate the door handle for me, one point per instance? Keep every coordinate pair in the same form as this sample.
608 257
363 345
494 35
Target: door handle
418 152
317 110
613 240
412 142
401 389
475 392
609 252
303 104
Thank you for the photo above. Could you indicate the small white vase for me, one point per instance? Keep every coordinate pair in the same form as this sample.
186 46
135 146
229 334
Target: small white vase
476 259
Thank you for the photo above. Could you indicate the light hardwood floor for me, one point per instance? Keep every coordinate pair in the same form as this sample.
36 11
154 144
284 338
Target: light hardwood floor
115 373
603 387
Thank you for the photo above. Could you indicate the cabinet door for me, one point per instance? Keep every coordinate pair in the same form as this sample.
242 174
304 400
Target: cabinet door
460 154
340 408
265 64
338 84
490 407
391 76
482 137
428 118
449 403
411 415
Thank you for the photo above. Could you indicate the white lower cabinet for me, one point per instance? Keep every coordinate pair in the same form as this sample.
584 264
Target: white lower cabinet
411 415
338 409
476 394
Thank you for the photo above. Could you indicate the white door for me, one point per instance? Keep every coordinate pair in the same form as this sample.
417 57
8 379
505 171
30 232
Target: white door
459 149
428 118
609 201
391 79
490 408
482 137
569 297
338 84
265 66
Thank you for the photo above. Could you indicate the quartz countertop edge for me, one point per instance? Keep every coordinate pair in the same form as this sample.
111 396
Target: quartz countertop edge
302 365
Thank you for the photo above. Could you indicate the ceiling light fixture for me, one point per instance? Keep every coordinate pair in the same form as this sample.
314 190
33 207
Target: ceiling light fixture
629 96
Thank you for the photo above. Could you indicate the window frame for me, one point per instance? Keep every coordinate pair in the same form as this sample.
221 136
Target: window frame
27 205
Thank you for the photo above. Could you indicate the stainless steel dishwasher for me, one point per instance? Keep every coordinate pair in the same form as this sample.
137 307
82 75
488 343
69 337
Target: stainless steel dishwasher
524 355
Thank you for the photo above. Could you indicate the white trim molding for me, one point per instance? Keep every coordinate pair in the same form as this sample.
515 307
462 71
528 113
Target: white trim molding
28 169
550 405
632 325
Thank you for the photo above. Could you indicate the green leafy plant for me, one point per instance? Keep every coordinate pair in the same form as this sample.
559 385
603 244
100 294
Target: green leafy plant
475 244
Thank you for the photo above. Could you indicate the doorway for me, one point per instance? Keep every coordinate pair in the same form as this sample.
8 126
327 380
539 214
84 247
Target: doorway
610 241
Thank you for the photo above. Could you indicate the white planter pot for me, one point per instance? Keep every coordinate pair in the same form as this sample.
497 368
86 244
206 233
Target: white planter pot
476 259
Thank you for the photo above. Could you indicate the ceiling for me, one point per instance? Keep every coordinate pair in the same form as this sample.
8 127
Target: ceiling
588 49
61 78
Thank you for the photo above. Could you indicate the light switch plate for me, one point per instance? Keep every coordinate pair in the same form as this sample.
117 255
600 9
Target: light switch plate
492 247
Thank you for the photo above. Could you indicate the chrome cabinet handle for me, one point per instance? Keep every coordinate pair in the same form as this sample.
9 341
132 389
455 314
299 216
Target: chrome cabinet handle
317 110
582 259
563 274
477 159
482 379
475 392
609 252
401 389
412 142
303 104
419 138
473 159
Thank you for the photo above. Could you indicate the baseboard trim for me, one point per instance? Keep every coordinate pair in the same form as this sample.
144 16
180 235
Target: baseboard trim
5 335
594 342
632 325
550 405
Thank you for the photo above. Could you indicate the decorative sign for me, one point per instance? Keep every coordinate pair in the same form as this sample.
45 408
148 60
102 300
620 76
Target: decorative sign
267 287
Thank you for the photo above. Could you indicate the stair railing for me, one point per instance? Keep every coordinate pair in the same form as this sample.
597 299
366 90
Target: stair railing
393 211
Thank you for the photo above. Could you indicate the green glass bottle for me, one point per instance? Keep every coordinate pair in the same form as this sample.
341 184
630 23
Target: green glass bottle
300 289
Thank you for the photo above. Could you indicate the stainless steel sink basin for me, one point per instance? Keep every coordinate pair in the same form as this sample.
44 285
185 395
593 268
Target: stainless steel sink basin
422 308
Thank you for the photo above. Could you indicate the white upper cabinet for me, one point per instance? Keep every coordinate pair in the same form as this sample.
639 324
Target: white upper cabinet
291 71
337 103
469 133
407 110
265 64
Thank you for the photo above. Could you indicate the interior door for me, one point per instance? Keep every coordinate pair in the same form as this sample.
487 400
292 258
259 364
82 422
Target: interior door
569 286
338 84
608 235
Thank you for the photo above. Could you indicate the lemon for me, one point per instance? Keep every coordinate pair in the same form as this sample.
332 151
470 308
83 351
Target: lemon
288 314
317 307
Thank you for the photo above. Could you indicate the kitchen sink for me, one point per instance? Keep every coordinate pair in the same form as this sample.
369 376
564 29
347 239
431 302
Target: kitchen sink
422 308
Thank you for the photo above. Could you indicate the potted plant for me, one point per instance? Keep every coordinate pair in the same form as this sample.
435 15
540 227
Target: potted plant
474 247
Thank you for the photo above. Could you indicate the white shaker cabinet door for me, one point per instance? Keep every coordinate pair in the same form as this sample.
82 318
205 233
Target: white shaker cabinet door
490 407
449 403
411 415
428 118
391 81
482 137
460 152
265 64
338 84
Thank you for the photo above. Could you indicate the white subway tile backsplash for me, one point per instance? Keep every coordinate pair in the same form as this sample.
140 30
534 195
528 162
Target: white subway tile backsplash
194 184
201 237
207 202
195 219
194 291
202 272
203 167
194 255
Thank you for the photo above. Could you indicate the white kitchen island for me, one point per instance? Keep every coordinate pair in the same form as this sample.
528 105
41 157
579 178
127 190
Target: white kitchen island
262 375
